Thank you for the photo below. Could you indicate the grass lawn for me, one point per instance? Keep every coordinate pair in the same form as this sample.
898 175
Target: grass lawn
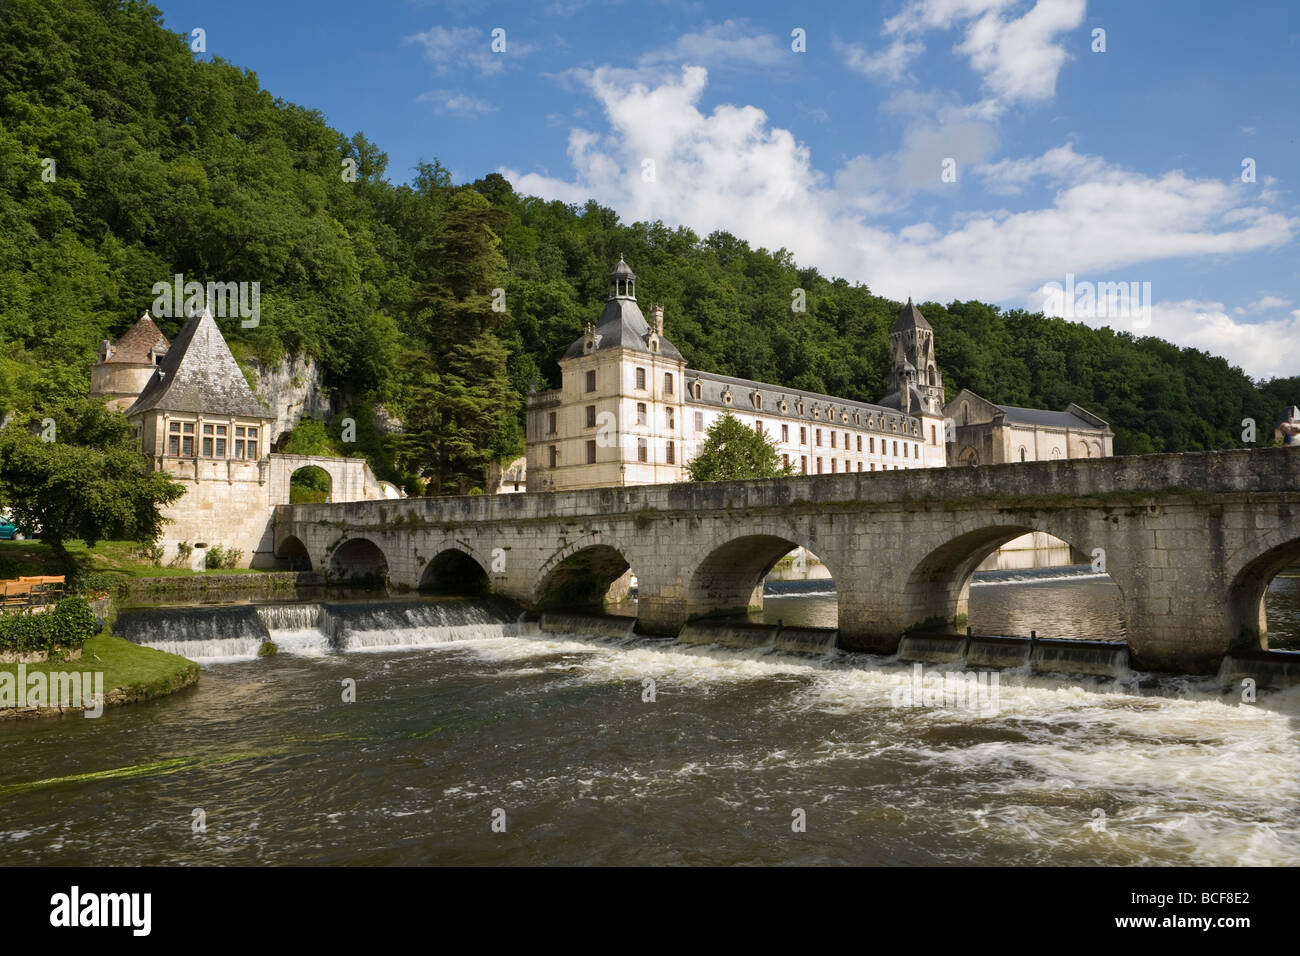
18 558
134 672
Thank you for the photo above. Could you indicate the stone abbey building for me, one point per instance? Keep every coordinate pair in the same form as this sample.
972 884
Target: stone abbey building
629 412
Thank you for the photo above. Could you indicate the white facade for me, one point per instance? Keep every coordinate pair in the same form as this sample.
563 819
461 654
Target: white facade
629 412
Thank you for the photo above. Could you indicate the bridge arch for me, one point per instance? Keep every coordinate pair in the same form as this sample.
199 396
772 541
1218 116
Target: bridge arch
292 555
729 579
358 560
937 589
580 576
1248 590
455 571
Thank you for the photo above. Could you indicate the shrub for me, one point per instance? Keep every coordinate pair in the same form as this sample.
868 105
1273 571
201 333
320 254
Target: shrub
184 551
92 582
153 553
66 626
219 557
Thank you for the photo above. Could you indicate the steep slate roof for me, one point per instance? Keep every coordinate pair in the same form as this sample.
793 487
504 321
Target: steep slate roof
1044 418
622 326
136 345
909 317
199 375
895 400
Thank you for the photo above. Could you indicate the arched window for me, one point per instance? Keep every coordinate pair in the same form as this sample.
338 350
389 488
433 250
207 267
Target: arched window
965 414
1022 453
697 390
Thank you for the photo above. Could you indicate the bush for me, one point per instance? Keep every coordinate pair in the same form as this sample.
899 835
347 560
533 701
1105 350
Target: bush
219 557
184 551
153 553
66 626
92 582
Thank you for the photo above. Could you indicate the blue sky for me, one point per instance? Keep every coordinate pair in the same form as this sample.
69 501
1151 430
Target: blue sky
1115 166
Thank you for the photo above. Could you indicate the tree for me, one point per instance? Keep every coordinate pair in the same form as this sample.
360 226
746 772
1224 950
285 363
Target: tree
733 450
90 483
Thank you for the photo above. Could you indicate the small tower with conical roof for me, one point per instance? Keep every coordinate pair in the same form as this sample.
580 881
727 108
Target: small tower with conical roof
123 368
911 341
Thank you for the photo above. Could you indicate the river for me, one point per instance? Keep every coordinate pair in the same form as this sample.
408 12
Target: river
562 740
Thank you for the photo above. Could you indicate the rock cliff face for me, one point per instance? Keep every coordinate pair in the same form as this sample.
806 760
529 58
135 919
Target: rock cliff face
292 390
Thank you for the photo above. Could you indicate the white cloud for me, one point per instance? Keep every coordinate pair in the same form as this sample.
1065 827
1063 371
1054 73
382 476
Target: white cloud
1018 56
462 48
728 44
730 169
1264 349
458 104
1268 302
1057 165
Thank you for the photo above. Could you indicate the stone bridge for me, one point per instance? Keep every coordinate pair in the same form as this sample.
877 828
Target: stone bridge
1192 542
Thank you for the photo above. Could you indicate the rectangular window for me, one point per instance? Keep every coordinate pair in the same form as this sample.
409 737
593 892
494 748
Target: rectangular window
174 445
904 449
640 378
250 450
803 464
591 452
859 444
239 431
846 466
871 445
239 448
819 466
221 448
819 439
555 456
670 455
550 423
670 419
859 466
895 449
934 440
699 422
207 448
833 463
785 433
873 466
640 413
591 380
846 439
668 383
832 439
642 449
803 435
758 428
916 451
785 461
591 417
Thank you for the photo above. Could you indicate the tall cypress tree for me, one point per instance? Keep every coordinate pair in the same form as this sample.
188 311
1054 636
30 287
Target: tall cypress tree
462 410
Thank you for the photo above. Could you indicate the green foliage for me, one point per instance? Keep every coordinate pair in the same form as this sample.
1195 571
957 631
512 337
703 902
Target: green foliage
219 557
90 483
67 625
733 450
167 164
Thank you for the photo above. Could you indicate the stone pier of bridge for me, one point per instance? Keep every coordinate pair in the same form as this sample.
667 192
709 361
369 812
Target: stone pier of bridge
1191 541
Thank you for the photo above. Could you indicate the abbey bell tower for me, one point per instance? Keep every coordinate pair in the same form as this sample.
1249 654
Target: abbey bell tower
911 341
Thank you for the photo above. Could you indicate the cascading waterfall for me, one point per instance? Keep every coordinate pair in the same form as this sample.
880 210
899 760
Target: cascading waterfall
212 634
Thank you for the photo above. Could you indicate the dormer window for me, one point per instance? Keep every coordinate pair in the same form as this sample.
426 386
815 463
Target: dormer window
726 396
757 399
697 390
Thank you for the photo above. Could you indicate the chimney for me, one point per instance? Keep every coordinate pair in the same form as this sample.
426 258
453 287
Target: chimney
659 320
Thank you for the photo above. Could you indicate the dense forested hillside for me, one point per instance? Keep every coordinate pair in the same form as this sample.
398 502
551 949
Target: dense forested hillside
164 164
